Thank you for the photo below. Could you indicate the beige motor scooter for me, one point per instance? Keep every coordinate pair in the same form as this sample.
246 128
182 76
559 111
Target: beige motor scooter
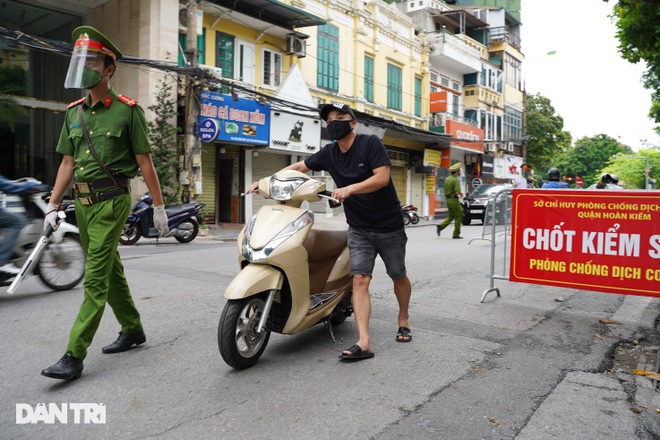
294 271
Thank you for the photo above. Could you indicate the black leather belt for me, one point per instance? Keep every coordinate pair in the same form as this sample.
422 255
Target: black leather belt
101 184
103 195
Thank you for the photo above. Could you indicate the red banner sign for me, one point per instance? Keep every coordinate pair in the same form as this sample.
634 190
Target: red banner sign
438 101
466 135
606 241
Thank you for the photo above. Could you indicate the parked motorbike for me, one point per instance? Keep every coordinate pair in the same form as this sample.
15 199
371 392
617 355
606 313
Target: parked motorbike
183 221
294 271
60 260
410 214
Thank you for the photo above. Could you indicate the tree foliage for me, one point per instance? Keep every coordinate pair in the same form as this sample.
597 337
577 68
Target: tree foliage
162 133
546 131
631 169
13 82
589 156
638 24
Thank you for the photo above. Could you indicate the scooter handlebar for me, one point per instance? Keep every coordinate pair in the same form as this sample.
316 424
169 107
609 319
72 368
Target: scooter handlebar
334 203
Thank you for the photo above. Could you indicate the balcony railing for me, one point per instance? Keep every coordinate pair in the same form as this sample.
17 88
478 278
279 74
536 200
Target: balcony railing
504 33
449 48
440 119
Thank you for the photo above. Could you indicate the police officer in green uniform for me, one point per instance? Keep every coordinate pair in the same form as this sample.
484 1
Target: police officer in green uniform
452 193
116 128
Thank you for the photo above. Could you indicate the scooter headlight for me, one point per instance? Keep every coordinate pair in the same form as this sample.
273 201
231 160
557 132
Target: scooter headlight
251 254
282 189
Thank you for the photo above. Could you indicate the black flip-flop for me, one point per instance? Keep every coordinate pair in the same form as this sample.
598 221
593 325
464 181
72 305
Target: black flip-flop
356 354
403 335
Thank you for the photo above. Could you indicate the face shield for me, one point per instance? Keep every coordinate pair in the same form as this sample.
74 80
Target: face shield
87 63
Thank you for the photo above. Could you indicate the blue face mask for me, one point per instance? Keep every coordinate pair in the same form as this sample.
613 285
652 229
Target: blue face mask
339 129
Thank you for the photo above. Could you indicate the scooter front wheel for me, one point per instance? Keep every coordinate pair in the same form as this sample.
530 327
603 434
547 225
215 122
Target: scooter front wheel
414 219
130 234
238 340
406 219
62 265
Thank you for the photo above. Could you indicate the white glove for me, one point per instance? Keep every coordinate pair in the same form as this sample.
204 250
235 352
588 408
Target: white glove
160 220
51 216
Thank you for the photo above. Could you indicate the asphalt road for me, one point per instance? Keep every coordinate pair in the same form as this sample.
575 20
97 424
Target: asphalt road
534 363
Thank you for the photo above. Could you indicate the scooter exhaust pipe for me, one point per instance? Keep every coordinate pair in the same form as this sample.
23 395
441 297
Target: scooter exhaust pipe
172 233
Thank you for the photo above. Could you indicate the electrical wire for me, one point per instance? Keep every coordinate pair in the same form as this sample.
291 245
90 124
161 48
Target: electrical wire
203 78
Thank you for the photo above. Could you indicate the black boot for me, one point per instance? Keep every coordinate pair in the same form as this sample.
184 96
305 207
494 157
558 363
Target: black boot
67 368
124 342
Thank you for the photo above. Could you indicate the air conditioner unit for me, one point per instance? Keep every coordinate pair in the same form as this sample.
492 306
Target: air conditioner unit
437 120
215 71
508 146
183 18
493 147
295 46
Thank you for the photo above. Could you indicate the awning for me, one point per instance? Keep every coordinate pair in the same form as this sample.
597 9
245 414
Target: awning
402 132
272 11
462 19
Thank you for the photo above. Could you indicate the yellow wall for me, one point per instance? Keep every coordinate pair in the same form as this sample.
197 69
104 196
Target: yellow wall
378 30
267 41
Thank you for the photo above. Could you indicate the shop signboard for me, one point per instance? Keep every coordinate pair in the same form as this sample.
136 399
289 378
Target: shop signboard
507 166
438 102
241 121
466 136
487 166
295 133
430 184
436 158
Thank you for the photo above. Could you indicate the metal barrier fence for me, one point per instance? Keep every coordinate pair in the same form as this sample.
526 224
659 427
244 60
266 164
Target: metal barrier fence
497 222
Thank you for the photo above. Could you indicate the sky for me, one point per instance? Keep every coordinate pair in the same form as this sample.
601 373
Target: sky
588 83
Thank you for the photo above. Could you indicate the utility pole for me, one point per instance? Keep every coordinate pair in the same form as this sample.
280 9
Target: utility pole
192 158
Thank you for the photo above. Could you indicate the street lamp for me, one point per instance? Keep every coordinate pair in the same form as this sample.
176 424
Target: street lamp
646 170
527 63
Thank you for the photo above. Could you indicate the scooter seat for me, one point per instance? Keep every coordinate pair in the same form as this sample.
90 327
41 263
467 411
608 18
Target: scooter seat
178 209
327 238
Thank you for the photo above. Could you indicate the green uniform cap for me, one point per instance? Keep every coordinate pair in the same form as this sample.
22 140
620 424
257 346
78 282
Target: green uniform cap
96 41
456 166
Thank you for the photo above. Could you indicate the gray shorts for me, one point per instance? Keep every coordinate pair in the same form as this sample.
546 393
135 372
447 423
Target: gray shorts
363 247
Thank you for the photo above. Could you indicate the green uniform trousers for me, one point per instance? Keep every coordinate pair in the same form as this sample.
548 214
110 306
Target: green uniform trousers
456 214
100 227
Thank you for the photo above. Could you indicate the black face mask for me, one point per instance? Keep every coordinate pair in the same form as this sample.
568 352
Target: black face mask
339 129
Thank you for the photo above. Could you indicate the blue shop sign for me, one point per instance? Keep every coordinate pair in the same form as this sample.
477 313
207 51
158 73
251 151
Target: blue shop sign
208 129
244 121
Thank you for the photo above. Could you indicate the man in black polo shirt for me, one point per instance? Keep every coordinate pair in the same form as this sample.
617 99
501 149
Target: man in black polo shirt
360 167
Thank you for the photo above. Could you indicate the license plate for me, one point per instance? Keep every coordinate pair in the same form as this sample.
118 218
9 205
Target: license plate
475 211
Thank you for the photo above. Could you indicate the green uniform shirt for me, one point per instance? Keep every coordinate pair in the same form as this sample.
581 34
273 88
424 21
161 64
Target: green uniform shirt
452 186
117 130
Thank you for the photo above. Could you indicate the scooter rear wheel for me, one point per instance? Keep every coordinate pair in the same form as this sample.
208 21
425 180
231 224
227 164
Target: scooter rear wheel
192 227
62 265
406 219
239 343
415 219
131 234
